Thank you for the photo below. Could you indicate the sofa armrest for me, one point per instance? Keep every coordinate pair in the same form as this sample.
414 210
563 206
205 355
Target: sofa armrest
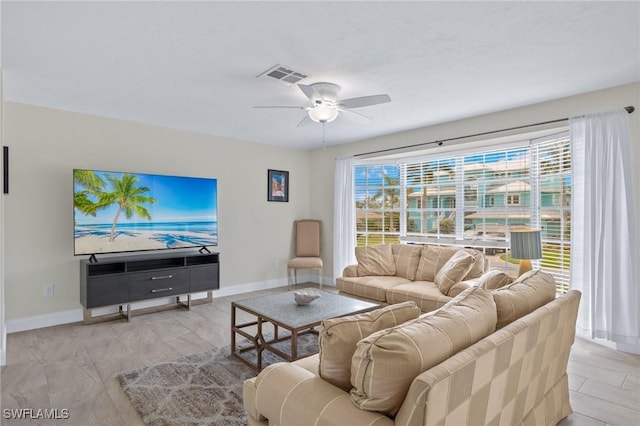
287 394
249 402
350 271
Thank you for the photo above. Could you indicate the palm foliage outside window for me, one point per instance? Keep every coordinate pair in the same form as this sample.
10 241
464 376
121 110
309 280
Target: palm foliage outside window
377 192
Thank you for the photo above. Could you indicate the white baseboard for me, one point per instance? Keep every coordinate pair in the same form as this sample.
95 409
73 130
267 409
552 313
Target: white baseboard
45 320
75 315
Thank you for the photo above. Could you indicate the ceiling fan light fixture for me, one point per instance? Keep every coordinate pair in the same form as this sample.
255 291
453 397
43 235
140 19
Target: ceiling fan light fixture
323 114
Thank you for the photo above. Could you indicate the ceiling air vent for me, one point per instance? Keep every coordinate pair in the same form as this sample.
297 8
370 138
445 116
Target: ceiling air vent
284 74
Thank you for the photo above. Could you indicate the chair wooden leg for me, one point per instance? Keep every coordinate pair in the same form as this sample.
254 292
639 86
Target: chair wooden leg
320 277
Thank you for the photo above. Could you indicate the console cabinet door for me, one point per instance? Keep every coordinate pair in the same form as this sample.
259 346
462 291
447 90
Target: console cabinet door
204 278
107 290
158 283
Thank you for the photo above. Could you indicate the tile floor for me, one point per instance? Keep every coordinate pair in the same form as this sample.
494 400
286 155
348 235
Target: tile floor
75 367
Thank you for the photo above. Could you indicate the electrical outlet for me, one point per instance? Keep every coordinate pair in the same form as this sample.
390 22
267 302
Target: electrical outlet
47 290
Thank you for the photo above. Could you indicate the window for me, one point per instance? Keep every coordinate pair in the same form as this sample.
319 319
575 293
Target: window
513 200
474 199
377 192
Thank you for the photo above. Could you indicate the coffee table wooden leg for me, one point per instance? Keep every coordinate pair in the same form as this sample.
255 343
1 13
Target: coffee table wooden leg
259 345
294 345
233 329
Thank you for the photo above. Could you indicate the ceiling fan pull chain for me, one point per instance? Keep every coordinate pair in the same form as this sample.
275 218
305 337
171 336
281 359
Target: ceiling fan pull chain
324 147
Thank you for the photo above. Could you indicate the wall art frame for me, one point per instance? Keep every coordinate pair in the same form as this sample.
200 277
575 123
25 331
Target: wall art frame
278 185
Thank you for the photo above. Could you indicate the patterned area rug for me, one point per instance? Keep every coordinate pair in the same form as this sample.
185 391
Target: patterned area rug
200 389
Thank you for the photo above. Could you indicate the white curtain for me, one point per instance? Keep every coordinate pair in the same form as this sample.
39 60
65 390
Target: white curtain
604 260
343 216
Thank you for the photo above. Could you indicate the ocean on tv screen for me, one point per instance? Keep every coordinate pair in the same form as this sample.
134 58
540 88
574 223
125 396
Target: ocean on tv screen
92 239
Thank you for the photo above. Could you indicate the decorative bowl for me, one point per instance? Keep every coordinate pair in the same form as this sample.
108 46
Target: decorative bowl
304 297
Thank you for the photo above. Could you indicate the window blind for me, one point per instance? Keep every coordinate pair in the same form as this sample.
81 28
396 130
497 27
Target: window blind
474 199
554 186
377 204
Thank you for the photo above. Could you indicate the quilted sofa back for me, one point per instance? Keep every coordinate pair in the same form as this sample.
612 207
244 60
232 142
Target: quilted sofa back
516 375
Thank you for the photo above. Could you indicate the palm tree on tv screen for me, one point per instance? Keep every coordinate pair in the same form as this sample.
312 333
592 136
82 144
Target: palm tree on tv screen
92 184
127 196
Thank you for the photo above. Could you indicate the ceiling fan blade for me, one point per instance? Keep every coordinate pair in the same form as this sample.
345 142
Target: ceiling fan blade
309 92
354 116
305 121
364 101
278 106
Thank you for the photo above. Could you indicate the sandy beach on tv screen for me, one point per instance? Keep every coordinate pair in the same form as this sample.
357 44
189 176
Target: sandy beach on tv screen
90 244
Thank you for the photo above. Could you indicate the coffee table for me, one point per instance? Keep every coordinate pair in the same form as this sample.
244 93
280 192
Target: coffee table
281 311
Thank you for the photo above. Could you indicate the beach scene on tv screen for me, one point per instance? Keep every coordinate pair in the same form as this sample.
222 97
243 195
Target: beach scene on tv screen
119 212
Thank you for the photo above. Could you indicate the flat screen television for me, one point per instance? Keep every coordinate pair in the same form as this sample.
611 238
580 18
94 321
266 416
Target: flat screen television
122 212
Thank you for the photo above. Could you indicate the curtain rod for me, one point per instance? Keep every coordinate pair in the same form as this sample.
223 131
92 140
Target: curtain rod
439 142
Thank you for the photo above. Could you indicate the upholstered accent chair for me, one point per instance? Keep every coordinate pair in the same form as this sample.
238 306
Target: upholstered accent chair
307 249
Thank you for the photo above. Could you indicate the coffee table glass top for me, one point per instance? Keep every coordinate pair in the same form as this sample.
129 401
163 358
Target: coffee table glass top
283 308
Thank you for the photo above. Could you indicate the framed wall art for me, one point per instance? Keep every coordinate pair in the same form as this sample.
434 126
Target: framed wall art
278 185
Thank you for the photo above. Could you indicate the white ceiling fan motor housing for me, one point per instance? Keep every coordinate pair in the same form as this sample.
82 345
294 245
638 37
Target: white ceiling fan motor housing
327 91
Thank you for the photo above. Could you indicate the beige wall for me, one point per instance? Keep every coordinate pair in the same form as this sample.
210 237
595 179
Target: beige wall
323 162
254 235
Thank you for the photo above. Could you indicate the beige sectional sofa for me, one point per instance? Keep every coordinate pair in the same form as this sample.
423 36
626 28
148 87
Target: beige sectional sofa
486 357
394 273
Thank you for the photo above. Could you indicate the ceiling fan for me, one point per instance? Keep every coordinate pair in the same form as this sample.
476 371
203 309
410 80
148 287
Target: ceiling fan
325 104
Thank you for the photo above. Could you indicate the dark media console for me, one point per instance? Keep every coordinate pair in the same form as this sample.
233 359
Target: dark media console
119 281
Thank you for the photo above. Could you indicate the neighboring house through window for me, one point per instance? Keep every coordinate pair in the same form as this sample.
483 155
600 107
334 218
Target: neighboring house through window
472 198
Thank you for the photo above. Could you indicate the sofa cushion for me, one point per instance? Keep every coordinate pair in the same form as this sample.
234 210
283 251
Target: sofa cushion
432 258
385 363
454 270
530 291
478 265
339 336
426 294
461 286
406 258
493 279
376 260
372 287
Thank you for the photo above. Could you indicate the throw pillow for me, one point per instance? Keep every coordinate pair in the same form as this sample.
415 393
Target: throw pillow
375 260
493 279
478 263
454 270
432 258
530 291
406 258
339 336
385 363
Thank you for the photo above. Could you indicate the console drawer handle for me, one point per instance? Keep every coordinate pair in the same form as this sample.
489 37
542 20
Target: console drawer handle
163 277
158 290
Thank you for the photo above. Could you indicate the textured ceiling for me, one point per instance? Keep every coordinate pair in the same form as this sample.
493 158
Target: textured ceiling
193 65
